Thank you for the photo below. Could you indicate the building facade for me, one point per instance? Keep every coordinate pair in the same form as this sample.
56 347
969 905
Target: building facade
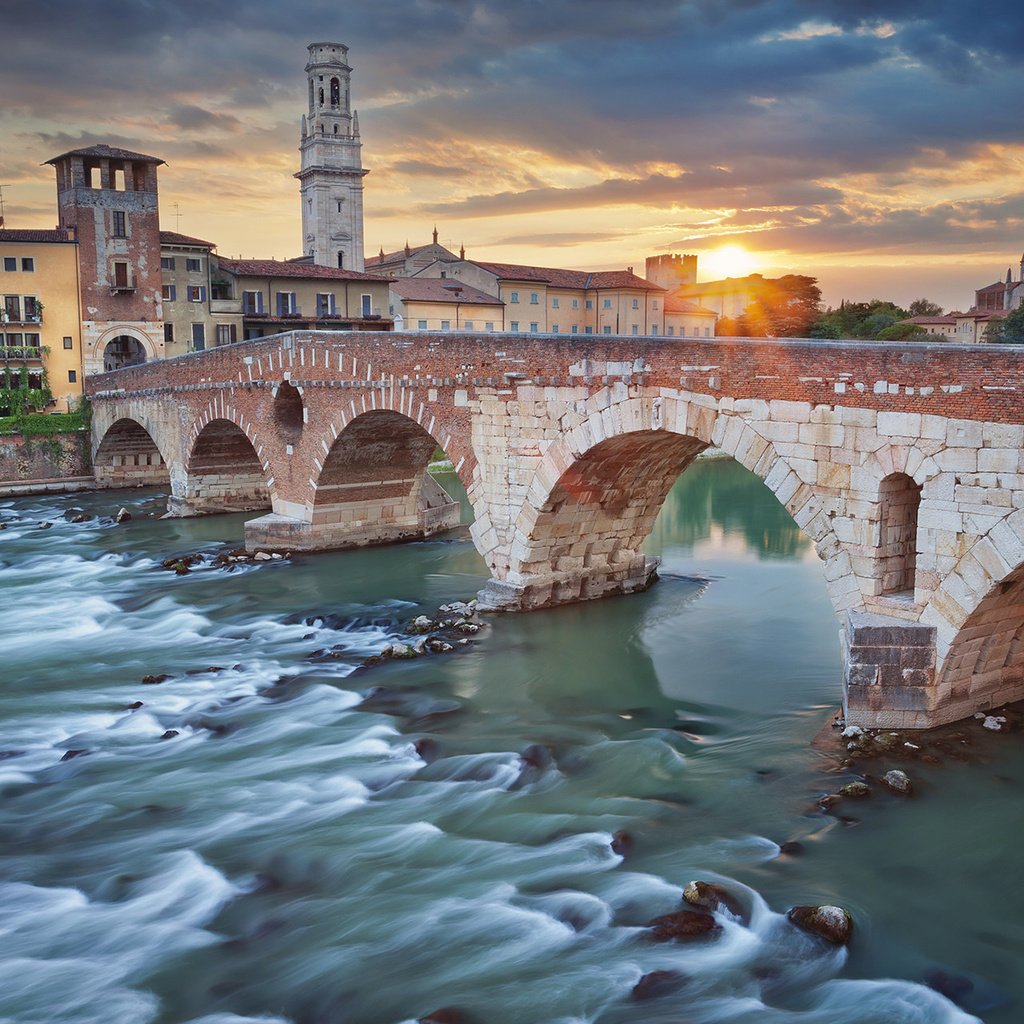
40 316
109 198
331 171
440 304
1002 295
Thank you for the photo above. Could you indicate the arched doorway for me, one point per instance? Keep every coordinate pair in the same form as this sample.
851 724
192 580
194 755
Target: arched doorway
122 351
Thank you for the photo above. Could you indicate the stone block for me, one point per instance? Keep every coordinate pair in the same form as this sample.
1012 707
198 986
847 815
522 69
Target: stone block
899 424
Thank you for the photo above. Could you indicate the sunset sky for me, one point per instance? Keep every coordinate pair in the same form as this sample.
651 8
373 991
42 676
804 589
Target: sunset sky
876 144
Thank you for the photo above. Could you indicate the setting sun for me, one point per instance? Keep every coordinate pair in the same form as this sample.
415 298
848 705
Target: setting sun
728 261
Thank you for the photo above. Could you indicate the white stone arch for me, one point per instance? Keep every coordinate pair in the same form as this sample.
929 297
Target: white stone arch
148 344
687 416
128 449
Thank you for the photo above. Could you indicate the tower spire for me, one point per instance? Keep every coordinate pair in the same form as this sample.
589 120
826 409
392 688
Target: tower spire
435 234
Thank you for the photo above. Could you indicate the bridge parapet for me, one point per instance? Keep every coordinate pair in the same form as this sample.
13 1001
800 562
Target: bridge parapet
902 463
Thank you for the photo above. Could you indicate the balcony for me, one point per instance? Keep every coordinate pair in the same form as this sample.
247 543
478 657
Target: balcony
122 288
20 354
16 317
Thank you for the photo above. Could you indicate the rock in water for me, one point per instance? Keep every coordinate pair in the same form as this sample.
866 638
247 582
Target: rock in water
658 983
712 897
897 781
123 515
832 923
683 926
855 790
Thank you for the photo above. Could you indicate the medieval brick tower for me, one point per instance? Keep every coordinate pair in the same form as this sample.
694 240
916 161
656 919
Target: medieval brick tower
108 197
331 170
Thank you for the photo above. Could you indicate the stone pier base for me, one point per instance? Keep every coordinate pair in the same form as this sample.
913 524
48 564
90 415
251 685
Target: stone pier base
187 508
889 673
568 588
283 533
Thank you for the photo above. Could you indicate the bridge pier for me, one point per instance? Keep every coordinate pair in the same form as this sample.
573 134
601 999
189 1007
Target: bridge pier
889 678
523 593
358 523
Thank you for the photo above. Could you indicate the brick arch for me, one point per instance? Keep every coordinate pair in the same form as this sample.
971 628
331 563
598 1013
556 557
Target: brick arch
372 485
598 489
128 455
224 467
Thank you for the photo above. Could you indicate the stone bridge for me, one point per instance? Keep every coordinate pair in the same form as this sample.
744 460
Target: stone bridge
902 463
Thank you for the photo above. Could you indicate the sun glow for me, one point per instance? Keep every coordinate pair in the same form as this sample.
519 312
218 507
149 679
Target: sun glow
727 261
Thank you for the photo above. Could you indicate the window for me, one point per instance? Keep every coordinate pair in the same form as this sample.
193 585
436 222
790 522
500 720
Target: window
446 325
339 201
696 332
168 334
225 334
194 266
252 302
514 297
590 303
607 304
556 303
12 309
575 328
28 264
118 179
72 376
31 341
654 330
636 328
69 343
607 329
654 304
514 325
120 275
32 310
367 301
253 332
636 303
421 325
533 327
554 328
670 331
120 225
489 325
197 293
10 263
575 303
341 259
707 332
166 262
325 304
468 325
533 298
198 337
287 304
169 293
15 340
588 330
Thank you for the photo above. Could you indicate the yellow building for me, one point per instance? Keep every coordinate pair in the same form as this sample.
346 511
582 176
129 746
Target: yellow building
436 304
40 316
689 319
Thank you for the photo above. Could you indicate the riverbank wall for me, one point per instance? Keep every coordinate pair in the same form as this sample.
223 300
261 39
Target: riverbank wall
34 465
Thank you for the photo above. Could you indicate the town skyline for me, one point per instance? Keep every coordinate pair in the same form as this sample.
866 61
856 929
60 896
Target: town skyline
870 151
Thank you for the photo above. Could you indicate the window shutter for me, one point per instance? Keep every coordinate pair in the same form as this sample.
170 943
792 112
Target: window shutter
202 293
280 303
233 333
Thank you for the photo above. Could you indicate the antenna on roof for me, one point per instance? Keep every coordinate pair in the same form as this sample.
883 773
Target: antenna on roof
177 217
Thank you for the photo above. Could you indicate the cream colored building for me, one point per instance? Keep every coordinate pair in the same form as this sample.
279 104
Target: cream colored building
939 328
40 315
546 300
441 304
688 319
273 296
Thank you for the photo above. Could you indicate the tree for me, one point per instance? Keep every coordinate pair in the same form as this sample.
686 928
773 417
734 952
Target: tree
1007 331
784 307
925 307
902 332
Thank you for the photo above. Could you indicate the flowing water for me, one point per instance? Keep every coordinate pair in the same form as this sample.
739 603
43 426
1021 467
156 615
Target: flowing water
263 841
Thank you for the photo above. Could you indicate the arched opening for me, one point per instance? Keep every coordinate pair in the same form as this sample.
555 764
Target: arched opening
374 487
224 472
335 92
341 260
584 540
321 97
899 502
289 415
985 662
128 456
122 351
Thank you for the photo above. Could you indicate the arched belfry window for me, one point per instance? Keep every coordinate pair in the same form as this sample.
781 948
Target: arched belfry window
321 96
335 92
899 500
311 94
341 260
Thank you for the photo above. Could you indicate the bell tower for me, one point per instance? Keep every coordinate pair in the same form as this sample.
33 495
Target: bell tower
331 169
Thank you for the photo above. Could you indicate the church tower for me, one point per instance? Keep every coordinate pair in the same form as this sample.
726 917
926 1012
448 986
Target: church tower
331 168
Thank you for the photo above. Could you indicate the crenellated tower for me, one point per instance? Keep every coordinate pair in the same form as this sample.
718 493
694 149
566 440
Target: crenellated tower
331 169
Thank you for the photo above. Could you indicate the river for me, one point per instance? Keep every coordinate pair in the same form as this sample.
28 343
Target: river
260 842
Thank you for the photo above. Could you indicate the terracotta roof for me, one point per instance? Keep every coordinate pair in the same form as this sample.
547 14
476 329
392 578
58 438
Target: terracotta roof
34 235
568 278
997 287
106 152
174 238
280 268
949 318
440 289
400 254
681 306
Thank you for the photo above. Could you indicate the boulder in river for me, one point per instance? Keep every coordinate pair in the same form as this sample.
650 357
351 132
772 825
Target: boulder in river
856 790
152 680
897 781
712 897
123 515
791 848
832 923
658 983
683 926
421 624
446 1015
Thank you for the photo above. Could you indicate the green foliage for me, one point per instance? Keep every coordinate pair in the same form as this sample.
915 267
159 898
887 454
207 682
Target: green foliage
903 332
878 319
1007 331
924 307
17 396
784 307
